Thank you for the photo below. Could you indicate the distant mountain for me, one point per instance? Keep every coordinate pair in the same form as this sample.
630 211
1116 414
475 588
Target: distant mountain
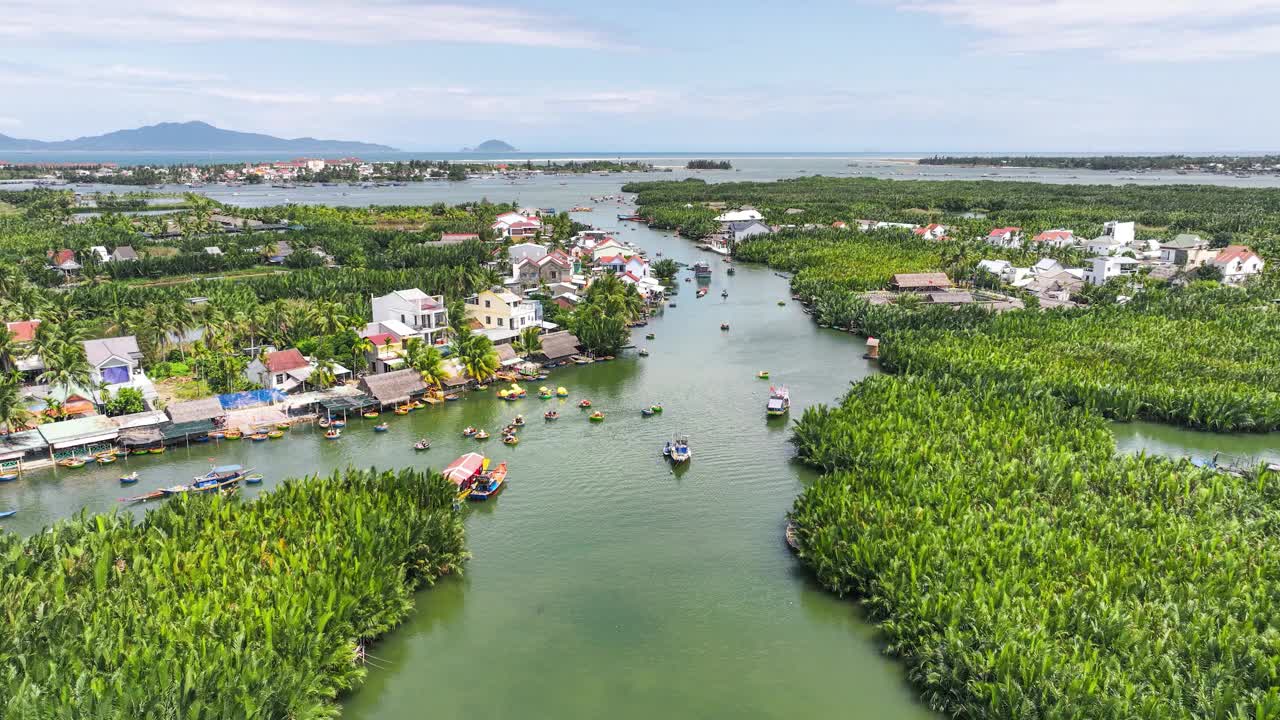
491 146
191 137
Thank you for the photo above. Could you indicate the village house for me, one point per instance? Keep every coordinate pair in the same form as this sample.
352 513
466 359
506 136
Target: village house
745 214
422 312
526 251
502 314
1006 237
24 333
124 253
278 252
387 352
533 266
1186 250
516 225
287 370
1237 263
1055 238
117 362
609 248
744 229
99 253
64 261
932 231
1106 267
922 282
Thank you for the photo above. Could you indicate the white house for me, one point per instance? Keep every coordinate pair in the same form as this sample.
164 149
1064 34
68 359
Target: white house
100 254
1009 237
286 370
1104 246
526 251
117 362
516 225
1121 232
1047 266
1104 268
1055 238
739 215
996 267
743 229
932 231
1237 263
416 309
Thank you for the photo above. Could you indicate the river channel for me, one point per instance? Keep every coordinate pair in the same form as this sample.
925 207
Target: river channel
602 583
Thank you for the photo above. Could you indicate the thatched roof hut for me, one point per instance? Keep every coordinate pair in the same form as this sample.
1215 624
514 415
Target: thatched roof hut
559 345
393 387
922 281
193 410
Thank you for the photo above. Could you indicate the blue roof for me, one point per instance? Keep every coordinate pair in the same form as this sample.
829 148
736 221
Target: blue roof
228 468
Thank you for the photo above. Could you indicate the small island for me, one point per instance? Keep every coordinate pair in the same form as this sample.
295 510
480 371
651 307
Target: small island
708 165
492 146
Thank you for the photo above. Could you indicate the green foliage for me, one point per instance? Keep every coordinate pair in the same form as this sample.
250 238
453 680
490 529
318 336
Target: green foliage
601 320
124 401
708 165
212 608
1022 570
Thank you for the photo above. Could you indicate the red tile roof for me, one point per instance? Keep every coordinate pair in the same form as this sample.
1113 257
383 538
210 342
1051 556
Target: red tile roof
64 256
285 360
1048 235
381 339
1004 231
24 331
1234 252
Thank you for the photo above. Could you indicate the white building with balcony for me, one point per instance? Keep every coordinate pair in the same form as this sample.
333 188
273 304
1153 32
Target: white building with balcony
421 312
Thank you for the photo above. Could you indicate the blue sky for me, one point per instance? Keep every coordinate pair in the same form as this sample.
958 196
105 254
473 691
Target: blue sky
858 75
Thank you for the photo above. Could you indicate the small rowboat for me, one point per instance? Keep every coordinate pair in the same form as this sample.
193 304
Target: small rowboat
8 477
562 392
724 326
370 415
584 404
518 421
550 415
282 426
646 412
139 451
481 435
216 435
157 450
253 479
129 479
232 435
791 536
423 444
782 303
545 395
332 434
650 336
596 416
324 423
468 431
656 408
402 411
381 427
71 463
337 423
724 293
105 459
258 437
8 513
275 434
643 352
763 374
510 440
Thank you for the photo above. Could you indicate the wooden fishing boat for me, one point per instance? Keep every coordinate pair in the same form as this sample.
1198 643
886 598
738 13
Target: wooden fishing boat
332 433
8 477
253 479
381 427
139 451
423 444
643 352
157 450
7 513
677 449
730 271
724 326
779 402
337 423
370 415
145 497
702 292
74 462
258 437
782 303
763 374
275 434
481 435
487 485
402 410
596 416
216 435
105 459
650 336
282 426
791 535
464 471
200 439
324 422
724 293
232 435
469 431
551 415
129 479
456 397
510 440
646 412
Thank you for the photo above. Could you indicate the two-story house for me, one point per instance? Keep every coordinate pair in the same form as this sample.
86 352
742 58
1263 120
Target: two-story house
1186 250
422 312
1055 238
1008 237
1237 263
1102 269
528 273
116 363
513 224
503 314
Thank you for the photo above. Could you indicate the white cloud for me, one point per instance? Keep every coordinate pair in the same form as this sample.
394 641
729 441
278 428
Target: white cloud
8 122
1149 30
344 22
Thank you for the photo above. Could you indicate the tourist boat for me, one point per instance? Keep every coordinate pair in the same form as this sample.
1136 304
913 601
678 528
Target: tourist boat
647 412
332 433
73 462
423 444
730 271
402 410
677 449
518 421
7 513
596 416
129 479
337 423
481 435
487 485
464 471
671 304
701 270
562 392
643 352
157 450
468 431
650 336
258 437
381 427
702 292
253 479
510 439
763 374
8 477
550 415
546 395
231 435
371 415
105 458
779 401
630 218
724 326
216 479
584 403
724 293
791 536
275 434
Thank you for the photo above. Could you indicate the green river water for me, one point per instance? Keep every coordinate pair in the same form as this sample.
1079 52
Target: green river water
602 584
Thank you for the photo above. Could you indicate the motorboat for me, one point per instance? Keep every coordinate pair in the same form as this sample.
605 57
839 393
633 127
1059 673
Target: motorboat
779 401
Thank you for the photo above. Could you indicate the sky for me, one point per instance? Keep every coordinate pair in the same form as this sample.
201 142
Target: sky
658 75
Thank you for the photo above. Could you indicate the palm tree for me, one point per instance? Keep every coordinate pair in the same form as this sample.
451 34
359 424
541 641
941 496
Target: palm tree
67 368
329 318
529 341
14 415
478 357
10 350
360 350
424 358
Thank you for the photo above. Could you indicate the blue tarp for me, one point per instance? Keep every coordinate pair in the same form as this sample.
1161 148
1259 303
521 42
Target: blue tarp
249 398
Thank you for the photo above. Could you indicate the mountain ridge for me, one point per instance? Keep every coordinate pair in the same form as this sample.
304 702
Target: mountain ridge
192 136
